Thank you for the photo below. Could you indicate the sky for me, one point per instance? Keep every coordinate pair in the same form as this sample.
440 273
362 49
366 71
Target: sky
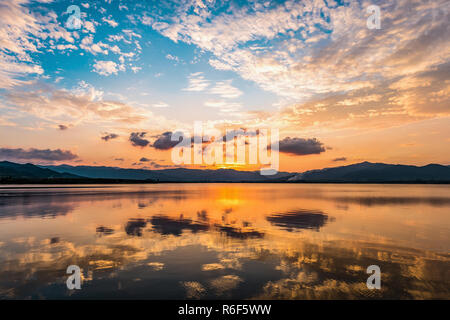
111 90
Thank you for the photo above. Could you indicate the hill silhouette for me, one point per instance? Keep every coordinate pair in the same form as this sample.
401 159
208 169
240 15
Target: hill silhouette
376 172
364 172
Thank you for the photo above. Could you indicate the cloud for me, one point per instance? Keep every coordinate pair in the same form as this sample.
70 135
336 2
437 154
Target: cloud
160 104
339 159
226 90
62 127
11 71
111 22
137 139
135 69
17 27
109 136
154 165
164 142
28 31
216 64
420 96
224 106
143 159
106 68
69 46
83 103
94 48
240 133
172 57
88 26
37 154
197 82
300 146
227 36
307 51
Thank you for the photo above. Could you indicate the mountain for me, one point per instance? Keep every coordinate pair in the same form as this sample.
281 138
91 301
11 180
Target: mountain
356 173
376 172
16 173
171 175
13 170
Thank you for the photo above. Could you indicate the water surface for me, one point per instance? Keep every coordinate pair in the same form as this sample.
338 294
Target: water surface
225 241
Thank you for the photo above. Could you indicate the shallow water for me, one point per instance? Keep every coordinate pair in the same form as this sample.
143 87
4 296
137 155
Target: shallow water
225 241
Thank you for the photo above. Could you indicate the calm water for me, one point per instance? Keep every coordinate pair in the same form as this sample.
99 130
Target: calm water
201 241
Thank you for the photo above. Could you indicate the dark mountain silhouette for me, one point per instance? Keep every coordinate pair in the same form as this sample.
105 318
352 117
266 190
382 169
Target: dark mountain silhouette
30 171
171 175
11 172
376 172
357 173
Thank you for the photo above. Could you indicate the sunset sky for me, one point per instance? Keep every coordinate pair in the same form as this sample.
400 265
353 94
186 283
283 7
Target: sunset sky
110 92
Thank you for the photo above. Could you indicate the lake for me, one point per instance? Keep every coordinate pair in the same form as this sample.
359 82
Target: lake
225 241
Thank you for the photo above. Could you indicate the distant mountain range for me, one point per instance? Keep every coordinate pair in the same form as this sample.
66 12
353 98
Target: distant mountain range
365 172
171 175
30 171
376 172
16 173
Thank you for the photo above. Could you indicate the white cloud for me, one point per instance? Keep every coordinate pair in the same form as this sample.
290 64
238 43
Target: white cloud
106 68
12 70
219 65
226 90
21 33
136 69
412 39
88 44
25 32
172 57
197 82
111 22
146 20
82 104
338 75
223 106
66 47
88 26
160 105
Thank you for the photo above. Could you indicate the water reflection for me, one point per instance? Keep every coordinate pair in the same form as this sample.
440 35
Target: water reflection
104 231
33 207
134 227
224 241
167 226
299 219
391 201
240 233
